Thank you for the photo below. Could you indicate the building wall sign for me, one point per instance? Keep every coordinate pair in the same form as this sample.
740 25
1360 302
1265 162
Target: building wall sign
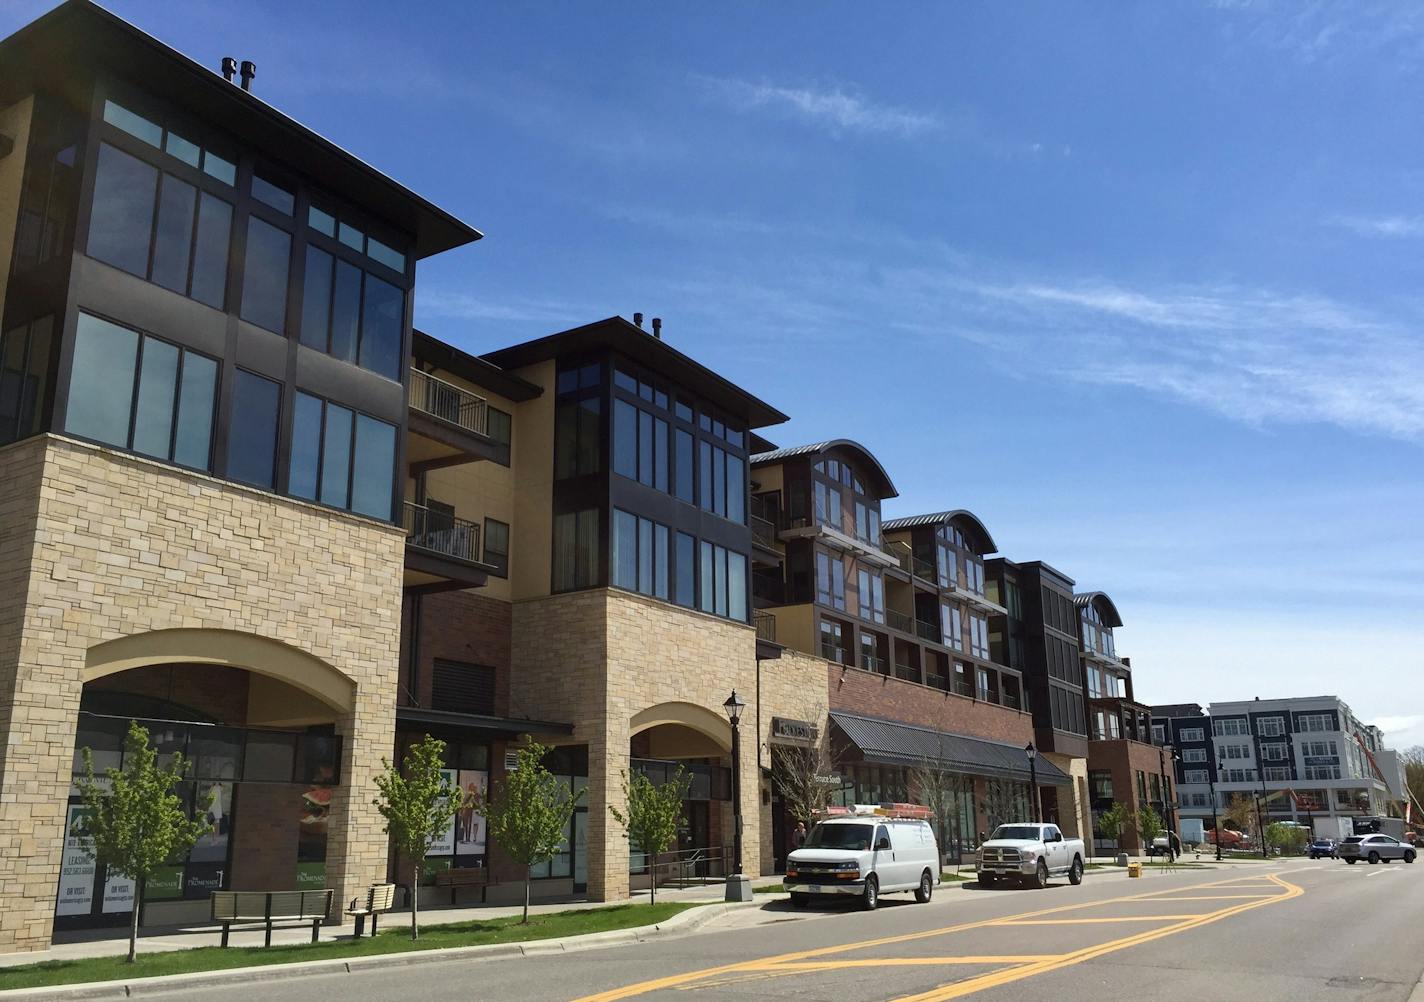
788 731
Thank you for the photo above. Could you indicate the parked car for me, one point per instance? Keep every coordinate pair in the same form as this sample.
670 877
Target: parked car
1029 854
1374 849
1322 848
867 853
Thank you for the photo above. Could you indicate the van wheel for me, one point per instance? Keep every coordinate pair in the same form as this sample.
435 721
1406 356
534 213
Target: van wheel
1374 858
926 888
800 899
1075 872
871 897
1040 876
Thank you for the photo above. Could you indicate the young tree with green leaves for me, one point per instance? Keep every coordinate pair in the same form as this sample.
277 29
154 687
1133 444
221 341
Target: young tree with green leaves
529 813
1116 820
1149 826
1241 814
651 815
419 806
1289 839
133 821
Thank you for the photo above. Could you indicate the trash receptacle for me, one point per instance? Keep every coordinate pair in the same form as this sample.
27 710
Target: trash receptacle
1134 869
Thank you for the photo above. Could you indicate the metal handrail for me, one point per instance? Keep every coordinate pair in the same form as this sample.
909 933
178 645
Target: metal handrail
763 531
440 533
924 569
907 673
448 402
765 624
937 681
899 621
927 631
833 653
872 663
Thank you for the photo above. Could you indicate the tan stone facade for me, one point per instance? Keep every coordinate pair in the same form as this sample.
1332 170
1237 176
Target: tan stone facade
96 546
615 664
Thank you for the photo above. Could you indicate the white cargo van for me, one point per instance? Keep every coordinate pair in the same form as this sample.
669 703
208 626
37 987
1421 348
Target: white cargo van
864 852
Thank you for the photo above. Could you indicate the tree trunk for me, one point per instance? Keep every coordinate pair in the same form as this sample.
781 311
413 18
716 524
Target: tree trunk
653 878
133 921
528 876
415 901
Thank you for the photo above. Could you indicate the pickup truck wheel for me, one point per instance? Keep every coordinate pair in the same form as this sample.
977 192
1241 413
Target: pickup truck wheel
1374 857
1040 876
800 899
1075 872
926 888
871 897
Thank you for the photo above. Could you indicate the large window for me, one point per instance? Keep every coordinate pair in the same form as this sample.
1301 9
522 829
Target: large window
724 482
640 445
1315 722
1195 776
497 546
342 458
576 549
352 315
182 246
577 422
1191 734
264 275
640 554
686 568
1230 726
724 582
24 367
870 589
137 392
252 454
1270 727
830 580
951 626
978 636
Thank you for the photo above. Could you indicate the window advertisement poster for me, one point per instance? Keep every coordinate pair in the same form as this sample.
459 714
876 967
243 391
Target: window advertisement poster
445 844
76 873
164 883
214 808
118 894
311 876
470 826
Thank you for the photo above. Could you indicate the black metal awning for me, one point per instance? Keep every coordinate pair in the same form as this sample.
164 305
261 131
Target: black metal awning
902 744
477 722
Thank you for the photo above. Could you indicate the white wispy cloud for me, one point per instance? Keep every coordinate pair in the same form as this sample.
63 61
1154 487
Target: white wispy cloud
450 305
1381 226
836 108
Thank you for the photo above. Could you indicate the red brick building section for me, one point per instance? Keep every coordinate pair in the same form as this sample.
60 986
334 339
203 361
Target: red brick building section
1124 760
871 694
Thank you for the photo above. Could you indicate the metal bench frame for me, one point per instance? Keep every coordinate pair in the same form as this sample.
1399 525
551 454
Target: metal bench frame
380 898
238 909
448 878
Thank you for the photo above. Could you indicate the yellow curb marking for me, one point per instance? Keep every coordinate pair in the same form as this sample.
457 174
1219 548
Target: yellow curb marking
767 964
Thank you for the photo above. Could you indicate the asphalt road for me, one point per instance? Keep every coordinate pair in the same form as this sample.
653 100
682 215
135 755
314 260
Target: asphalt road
1296 930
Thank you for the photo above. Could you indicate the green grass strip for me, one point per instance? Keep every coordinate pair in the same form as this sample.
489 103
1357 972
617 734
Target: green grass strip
392 939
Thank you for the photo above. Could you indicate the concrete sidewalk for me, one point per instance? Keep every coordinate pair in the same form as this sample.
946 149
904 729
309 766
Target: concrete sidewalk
115 942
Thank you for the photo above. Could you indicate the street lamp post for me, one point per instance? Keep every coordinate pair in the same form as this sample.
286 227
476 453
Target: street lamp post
1032 754
738 887
1264 798
1166 806
1215 824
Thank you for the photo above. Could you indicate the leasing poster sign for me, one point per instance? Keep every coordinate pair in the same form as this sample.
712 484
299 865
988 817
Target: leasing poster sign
76 872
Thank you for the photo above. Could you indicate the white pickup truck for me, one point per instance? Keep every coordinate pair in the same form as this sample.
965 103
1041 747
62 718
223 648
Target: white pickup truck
1029 854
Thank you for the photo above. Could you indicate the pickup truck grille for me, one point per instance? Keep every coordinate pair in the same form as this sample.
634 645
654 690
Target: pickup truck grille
1001 855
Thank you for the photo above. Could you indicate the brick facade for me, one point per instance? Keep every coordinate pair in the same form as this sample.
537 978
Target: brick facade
873 695
1124 759
97 545
463 626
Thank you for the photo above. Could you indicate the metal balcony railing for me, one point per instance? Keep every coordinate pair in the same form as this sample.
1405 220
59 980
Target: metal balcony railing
963 688
440 533
1011 701
907 673
833 653
899 621
927 631
448 402
937 682
765 624
763 531
923 569
872 663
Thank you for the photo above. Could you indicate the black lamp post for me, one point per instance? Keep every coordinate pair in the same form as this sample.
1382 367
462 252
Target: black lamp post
1166 805
1215 824
1264 797
734 707
1032 754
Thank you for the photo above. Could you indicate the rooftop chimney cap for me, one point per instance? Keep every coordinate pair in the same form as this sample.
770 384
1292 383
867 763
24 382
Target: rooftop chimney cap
229 68
638 319
658 328
249 70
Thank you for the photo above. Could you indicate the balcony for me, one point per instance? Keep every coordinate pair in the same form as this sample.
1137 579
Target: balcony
442 551
767 649
835 536
872 663
833 653
449 425
927 631
764 551
899 621
907 673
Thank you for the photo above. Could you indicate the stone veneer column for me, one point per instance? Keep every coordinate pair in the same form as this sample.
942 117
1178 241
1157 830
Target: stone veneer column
357 846
607 841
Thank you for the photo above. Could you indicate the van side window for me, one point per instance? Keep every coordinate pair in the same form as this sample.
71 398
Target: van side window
881 832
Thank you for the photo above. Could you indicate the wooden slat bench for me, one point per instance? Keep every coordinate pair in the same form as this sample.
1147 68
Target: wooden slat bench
379 899
272 910
464 876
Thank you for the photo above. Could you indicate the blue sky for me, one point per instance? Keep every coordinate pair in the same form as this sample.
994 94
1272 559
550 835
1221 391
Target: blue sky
1138 284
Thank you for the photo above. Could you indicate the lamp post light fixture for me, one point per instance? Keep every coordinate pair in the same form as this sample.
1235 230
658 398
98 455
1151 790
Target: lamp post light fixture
1166 804
1032 754
737 885
1215 824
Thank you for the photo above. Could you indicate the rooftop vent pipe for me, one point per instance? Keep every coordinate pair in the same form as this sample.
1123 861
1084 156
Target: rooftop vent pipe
638 319
229 68
249 70
658 328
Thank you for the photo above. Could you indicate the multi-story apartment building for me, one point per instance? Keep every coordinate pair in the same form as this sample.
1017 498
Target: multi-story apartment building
1036 633
1123 764
1186 729
897 611
204 338
1308 759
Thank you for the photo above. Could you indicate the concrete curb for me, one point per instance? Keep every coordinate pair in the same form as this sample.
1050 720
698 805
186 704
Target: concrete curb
679 924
